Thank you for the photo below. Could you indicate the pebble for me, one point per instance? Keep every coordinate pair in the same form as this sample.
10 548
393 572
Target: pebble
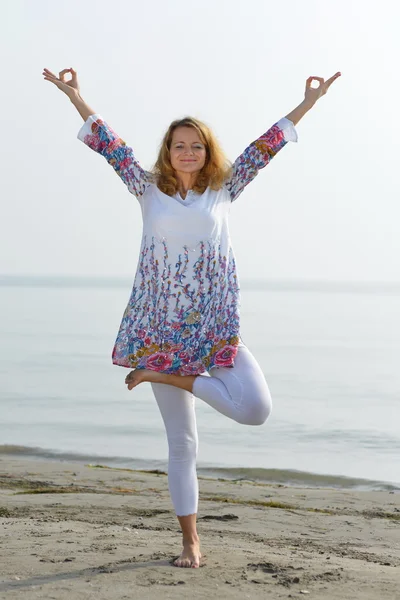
304 592
126 529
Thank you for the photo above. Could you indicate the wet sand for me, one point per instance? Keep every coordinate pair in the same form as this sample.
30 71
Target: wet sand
70 530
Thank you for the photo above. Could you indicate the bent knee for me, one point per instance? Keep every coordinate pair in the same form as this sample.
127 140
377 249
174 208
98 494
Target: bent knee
258 410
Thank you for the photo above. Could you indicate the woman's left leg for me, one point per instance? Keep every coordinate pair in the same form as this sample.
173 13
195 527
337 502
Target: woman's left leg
240 393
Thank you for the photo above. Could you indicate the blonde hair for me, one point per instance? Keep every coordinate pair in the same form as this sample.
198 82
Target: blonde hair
216 167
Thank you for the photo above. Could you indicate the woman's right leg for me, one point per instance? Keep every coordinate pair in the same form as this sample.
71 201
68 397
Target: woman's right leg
177 409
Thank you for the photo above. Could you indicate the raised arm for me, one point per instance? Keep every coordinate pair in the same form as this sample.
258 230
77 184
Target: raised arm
258 155
99 136
261 151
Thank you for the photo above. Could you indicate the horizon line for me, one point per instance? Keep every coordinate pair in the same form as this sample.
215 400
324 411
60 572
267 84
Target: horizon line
70 280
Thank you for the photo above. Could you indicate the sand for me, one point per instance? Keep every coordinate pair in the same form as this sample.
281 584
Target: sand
74 531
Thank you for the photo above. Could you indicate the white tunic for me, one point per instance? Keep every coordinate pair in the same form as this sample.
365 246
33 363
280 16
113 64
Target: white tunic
183 312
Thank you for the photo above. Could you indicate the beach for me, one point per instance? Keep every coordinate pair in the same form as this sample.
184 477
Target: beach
74 530
308 505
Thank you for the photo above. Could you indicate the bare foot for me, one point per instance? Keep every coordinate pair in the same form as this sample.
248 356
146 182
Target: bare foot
139 375
190 556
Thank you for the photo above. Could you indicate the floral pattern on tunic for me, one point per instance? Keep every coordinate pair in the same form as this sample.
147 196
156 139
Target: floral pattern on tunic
176 323
183 312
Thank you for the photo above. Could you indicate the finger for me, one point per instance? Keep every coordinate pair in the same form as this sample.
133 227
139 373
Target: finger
50 75
311 79
309 82
47 71
62 73
332 79
56 82
53 80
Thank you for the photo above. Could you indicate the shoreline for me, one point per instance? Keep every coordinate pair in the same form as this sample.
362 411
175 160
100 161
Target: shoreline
83 531
286 477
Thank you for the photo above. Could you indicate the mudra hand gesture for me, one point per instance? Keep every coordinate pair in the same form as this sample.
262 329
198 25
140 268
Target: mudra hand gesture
70 87
312 94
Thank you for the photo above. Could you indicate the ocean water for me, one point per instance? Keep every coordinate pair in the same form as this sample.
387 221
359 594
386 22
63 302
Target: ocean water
330 353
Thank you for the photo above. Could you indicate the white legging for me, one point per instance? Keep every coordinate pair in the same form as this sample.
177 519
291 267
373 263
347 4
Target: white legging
240 393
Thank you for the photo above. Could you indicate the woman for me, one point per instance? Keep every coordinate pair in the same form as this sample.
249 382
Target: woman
180 330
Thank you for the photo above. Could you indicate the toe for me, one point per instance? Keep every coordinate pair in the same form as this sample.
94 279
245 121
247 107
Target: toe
182 562
128 377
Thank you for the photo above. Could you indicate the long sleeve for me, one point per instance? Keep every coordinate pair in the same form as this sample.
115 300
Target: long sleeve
258 155
99 136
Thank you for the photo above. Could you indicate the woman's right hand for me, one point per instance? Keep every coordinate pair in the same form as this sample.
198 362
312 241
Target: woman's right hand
70 87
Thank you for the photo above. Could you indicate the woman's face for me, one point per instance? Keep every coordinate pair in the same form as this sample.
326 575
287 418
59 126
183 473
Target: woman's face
187 151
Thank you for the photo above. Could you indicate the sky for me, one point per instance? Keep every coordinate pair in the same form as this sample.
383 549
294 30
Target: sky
326 208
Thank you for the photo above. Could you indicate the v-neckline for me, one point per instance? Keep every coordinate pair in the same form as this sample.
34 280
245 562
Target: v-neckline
189 198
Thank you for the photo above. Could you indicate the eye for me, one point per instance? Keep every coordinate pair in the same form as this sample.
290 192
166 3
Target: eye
198 146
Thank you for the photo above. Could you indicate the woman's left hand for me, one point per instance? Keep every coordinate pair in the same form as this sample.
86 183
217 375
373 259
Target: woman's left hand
312 94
